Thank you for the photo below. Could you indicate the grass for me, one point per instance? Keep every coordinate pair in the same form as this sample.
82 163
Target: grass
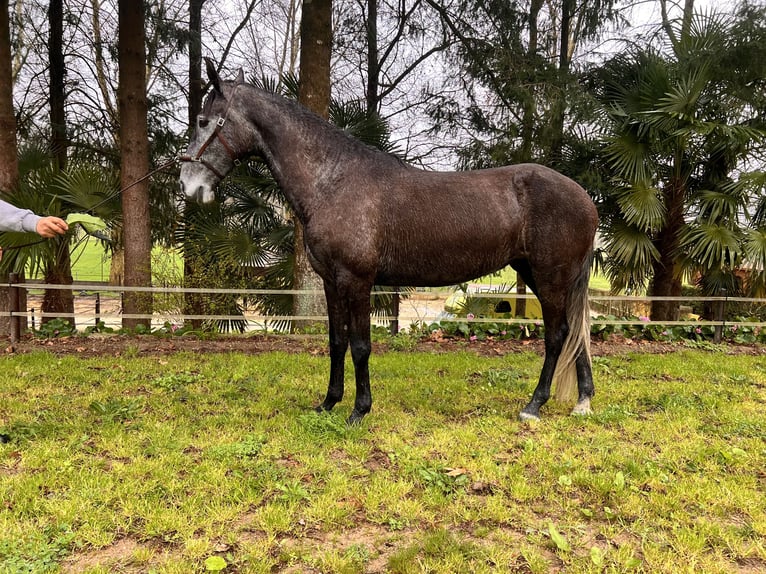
91 263
192 462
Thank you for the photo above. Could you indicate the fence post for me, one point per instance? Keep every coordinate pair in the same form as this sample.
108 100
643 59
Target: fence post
395 312
720 316
13 306
98 307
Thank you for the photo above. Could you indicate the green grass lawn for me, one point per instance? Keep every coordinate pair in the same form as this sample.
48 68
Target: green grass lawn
90 262
190 462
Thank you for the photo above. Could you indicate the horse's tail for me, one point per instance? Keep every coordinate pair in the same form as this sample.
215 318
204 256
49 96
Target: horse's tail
578 338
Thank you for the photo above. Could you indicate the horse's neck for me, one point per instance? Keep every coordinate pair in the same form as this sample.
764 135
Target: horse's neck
296 153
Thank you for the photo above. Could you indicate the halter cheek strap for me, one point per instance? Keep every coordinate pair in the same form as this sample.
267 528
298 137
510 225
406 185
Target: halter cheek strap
215 134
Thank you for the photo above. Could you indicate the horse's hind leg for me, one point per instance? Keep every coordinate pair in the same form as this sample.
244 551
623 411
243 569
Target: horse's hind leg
337 312
555 334
556 330
359 337
585 388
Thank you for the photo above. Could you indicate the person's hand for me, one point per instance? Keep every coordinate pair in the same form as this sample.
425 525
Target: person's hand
51 226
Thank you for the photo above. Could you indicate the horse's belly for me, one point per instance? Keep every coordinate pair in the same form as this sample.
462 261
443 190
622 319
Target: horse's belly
437 267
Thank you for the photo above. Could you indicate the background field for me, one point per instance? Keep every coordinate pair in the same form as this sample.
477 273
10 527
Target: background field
185 462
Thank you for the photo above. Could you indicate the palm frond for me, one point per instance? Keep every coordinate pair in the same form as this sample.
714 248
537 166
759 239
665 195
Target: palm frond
642 206
712 245
680 101
755 249
715 205
89 188
630 256
630 157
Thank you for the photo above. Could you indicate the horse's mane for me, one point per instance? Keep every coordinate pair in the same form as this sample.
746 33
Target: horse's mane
338 138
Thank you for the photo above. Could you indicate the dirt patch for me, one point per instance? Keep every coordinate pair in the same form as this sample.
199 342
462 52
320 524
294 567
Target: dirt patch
121 553
150 345
371 544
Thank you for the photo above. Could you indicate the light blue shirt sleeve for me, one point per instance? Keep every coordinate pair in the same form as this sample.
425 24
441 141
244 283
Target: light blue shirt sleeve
13 218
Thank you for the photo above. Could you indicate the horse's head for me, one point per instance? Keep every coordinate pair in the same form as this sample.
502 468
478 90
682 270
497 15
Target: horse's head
218 142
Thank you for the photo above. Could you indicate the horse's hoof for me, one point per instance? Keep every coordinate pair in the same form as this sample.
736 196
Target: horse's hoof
324 407
582 408
355 418
528 417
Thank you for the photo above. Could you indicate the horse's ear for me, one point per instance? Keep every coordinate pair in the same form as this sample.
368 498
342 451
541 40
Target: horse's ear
212 75
240 77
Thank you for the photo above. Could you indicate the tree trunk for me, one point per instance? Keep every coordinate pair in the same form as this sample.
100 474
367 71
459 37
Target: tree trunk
59 271
373 66
666 281
559 106
9 166
528 133
193 302
59 141
196 84
134 155
314 93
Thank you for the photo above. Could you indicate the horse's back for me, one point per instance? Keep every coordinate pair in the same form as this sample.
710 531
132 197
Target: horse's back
505 199
443 227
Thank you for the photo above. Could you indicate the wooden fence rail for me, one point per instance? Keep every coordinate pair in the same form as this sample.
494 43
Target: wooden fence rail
97 291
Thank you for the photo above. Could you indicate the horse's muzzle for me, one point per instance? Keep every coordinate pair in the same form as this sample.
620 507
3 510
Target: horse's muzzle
200 193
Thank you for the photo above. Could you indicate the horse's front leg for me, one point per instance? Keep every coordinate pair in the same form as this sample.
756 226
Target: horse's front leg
359 335
337 311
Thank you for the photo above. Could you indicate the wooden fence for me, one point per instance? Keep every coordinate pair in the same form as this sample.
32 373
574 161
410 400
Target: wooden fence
100 302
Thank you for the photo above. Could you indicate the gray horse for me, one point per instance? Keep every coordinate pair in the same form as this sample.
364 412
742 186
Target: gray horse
371 219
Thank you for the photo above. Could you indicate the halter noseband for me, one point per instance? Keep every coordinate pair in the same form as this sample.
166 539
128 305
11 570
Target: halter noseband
215 134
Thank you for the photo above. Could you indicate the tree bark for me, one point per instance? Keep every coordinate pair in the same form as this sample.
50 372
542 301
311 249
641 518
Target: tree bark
373 66
314 93
193 302
666 281
196 84
9 166
134 156
59 270
559 107
57 77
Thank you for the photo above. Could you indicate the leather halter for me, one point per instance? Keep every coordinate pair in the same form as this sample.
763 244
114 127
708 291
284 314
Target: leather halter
215 134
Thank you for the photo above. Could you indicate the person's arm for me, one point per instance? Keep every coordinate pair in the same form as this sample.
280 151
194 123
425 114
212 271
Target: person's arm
13 218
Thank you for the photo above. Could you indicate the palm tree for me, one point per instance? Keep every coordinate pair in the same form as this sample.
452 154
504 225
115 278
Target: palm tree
682 127
45 189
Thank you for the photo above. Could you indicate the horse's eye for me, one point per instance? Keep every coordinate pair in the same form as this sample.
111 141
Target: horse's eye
202 121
